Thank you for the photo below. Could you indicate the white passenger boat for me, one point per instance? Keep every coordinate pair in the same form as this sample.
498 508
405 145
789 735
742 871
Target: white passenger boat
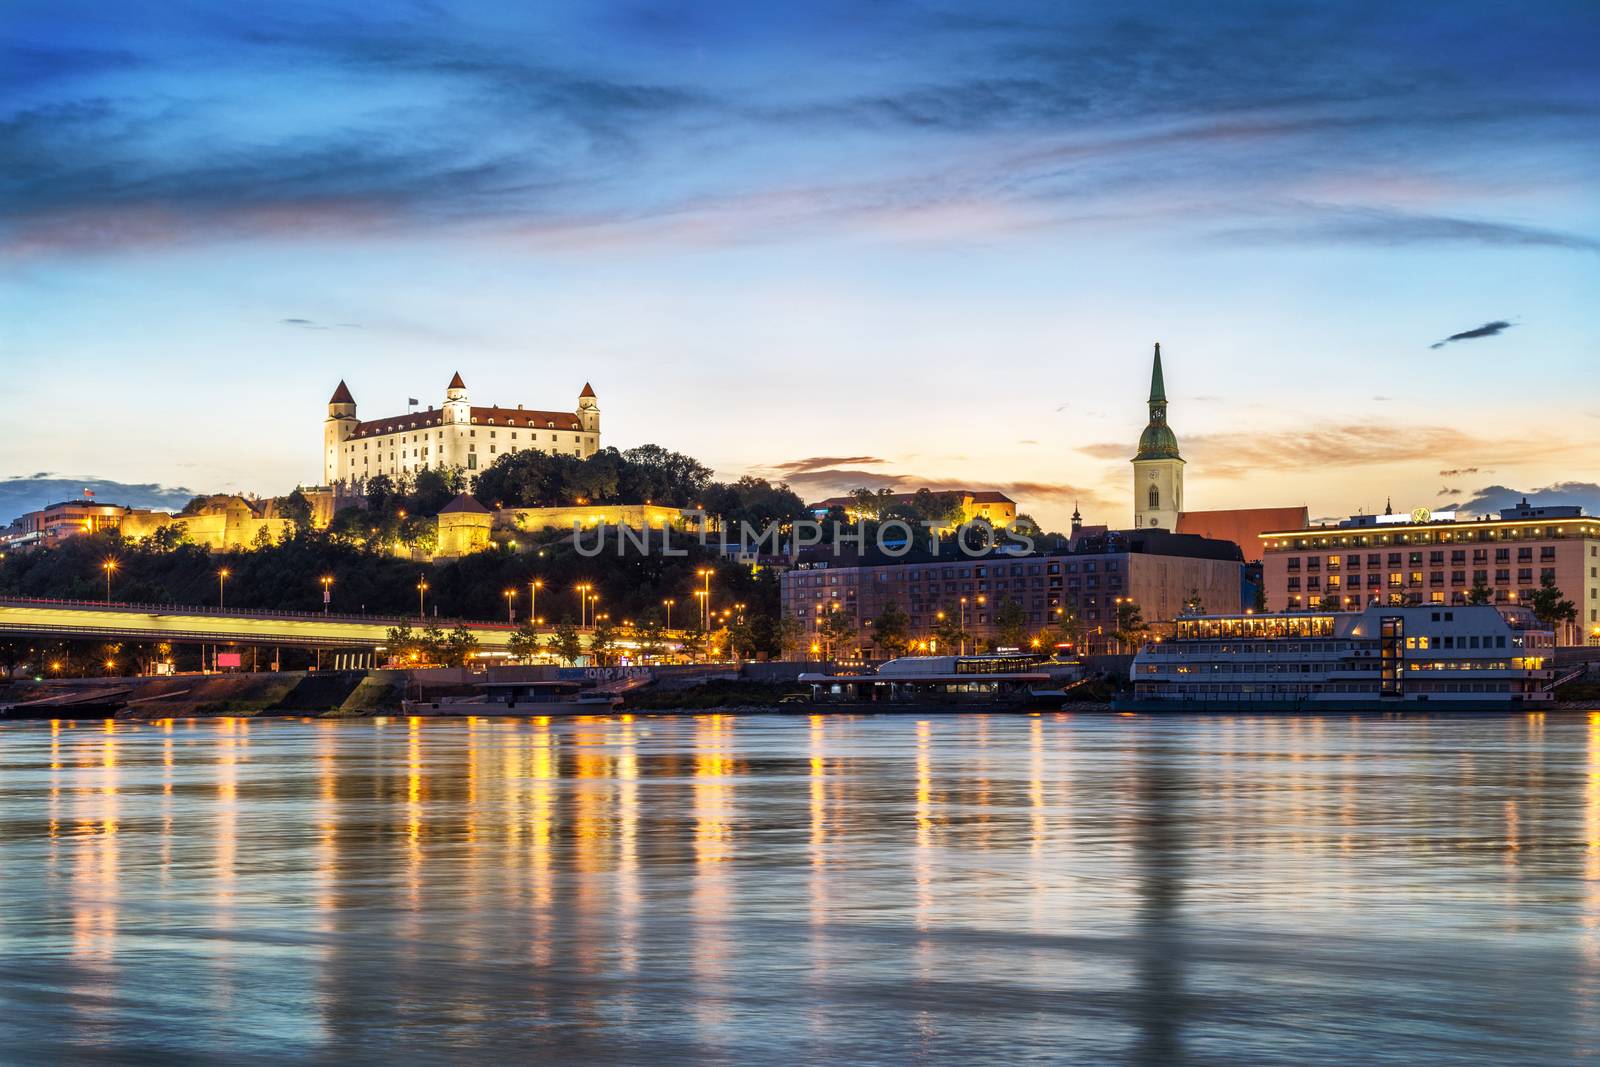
1427 658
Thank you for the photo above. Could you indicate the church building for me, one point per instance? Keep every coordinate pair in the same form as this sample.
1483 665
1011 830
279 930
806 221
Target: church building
1157 467
454 435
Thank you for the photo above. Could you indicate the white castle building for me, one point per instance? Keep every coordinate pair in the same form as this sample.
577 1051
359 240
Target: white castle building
455 435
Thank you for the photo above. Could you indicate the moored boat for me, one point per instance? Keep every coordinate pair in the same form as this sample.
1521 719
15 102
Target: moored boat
1385 658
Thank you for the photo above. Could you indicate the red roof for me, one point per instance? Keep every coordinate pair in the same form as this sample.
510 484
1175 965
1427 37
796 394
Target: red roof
1243 526
464 503
342 395
588 390
514 417
456 382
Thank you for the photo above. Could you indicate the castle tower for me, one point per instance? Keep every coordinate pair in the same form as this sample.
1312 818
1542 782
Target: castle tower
1077 520
336 428
457 409
1157 468
589 409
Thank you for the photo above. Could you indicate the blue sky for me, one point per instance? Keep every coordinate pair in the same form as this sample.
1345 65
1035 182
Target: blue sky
839 243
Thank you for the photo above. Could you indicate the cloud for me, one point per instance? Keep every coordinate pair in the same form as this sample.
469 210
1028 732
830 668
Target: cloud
813 464
1340 445
1495 498
1388 228
312 324
1447 491
1456 472
1488 329
817 482
20 494
331 120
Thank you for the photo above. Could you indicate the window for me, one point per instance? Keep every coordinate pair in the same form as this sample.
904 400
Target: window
1155 497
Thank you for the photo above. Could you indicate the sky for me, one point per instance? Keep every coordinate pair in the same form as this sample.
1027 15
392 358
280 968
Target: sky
838 244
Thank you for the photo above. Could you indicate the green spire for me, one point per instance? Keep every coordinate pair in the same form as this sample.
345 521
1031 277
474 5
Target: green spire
1158 387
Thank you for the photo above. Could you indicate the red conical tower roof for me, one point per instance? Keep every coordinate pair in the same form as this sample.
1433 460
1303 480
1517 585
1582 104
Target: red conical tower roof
342 395
588 390
456 382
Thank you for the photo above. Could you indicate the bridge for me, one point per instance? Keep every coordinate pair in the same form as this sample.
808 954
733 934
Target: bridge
191 624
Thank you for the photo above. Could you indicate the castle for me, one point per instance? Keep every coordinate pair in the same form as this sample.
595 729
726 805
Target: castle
454 435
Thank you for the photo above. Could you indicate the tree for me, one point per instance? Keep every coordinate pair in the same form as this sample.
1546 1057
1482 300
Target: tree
949 633
564 642
1130 622
404 645
1328 602
652 636
525 643
1010 623
1547 604
432 643
460 646
602 641
789 634
1193 604
836 628
1479 593
891 630
297 508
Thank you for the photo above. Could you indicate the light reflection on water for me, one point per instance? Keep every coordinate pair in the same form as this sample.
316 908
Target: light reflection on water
805 889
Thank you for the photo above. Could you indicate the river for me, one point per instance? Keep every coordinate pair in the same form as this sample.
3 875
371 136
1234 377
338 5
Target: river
894 889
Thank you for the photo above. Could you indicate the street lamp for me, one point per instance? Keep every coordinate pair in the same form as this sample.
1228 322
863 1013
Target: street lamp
705 600
327 592
582 589
668 605
534 585
222 576
108 566
422 594
511 606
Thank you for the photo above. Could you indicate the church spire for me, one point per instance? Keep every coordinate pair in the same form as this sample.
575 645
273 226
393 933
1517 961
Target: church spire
1158 387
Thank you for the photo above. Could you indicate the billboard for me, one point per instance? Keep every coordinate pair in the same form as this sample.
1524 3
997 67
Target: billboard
230 659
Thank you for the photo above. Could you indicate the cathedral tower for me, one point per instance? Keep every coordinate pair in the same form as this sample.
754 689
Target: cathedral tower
336 428
1157 468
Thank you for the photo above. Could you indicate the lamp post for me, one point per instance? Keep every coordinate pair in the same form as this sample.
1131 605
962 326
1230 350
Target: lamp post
222 576
963 650
422 595
668 605
511 606
582 589
534 585
705 598
108 566
327 592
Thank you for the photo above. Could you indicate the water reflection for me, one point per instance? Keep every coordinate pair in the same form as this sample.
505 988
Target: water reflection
876 890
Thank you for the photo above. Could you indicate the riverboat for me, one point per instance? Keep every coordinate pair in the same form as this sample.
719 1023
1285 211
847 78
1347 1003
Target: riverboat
519 699
1002 681
1431 657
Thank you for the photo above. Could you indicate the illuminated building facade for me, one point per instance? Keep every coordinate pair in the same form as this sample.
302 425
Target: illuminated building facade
454 435
1434 558
992 506
1156 570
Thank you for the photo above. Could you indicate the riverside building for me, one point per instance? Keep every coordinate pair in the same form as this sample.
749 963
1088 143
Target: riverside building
1383 658
1429 557
1156 570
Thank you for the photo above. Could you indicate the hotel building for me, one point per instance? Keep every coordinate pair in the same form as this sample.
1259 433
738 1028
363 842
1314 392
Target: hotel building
1434 558
1157 570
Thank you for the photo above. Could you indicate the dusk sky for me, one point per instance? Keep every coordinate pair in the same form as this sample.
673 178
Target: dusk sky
838 244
